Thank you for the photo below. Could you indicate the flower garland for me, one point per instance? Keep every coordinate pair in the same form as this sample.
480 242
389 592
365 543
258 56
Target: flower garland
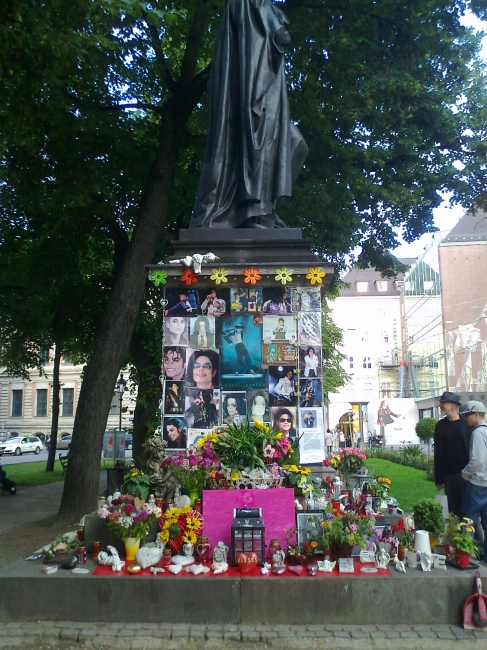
181 526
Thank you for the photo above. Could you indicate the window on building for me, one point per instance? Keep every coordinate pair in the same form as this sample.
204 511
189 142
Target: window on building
17 396
382 285
41 402
44 355
362 286
350 360
68 399
366 363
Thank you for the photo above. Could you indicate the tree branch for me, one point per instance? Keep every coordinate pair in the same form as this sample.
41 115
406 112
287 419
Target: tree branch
123 105
161 61
193 44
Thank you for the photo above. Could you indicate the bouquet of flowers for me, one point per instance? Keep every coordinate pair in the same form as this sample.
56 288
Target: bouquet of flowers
122 516
301 478
347 461
181 526
191 468
350 528
404 533
380 487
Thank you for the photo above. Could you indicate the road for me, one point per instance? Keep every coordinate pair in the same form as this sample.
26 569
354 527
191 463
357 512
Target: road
28 458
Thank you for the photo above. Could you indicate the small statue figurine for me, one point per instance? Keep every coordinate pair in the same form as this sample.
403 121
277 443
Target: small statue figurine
220 564
188 549
383 558
117 564
266 567
426 561
326 566
278 558
152 499
196 261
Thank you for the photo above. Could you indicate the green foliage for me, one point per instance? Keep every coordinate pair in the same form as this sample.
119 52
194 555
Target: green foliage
239 446
428 515
425 429
463 539
137 484
418 461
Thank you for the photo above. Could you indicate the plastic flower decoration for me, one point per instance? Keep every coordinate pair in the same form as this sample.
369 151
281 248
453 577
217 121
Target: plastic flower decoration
251 275
283 275
189 277
158 277
315 275
219 275
189 537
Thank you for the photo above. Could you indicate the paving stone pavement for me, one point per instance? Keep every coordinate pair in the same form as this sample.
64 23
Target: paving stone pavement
70 635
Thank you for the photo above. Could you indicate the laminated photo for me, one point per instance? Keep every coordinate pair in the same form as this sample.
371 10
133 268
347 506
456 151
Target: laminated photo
239 300
203 369
234 407
283 386
311 418
276 301
258 406
181 302
176 330
194 435
240 340
202 332
310 392
274 353
174 362
311 446
284 418
306 298
215 302
173 397
201 408
255 300
174 432
309 328
310 361
279 329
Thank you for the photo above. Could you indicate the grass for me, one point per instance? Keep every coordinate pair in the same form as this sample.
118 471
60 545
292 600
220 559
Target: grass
34 473
408 486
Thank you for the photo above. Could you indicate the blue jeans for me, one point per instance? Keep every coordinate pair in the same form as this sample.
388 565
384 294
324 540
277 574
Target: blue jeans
474 503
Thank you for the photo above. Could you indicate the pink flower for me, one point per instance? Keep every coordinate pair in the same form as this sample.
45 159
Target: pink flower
353 528
128 508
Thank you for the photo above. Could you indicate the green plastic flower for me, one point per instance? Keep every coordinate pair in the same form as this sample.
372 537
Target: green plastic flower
219 275
284 275
158 277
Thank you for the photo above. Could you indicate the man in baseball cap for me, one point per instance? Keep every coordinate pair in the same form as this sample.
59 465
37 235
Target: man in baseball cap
475 473
452 444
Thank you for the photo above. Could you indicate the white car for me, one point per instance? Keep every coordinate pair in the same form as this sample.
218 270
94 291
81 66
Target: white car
21 445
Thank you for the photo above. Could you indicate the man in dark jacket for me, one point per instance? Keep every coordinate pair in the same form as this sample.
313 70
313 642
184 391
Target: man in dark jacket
452 445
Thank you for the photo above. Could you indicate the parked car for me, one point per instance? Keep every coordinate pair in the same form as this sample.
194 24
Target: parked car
129 441
64 442
21 445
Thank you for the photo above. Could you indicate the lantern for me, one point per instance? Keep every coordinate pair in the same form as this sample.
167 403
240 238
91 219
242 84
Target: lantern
248 533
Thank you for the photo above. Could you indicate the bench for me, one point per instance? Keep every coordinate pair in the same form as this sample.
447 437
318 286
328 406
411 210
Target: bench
64 463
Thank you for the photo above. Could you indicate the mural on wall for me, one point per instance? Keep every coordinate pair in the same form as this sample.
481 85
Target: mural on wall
397 418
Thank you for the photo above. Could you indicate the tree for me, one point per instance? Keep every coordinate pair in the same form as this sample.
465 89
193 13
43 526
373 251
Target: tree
425 430
374 86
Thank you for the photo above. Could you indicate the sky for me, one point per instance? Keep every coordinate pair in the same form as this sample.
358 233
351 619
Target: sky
445 217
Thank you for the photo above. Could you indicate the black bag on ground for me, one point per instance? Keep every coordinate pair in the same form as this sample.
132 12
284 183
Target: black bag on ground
7 485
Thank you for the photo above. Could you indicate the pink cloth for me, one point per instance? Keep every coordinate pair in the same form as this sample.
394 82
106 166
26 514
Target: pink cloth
278 512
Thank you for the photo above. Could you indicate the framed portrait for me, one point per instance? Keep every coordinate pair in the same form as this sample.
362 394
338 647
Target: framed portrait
258 405
283 383
255 299
176 330
310 392
202 332
308 528
203 369
174 362
311 418
174 432
173 397
215 302
284 418
239 299
277 301
240 340
309 328
202 408
306 299
181 302
234 407
310 361
279 353
279 329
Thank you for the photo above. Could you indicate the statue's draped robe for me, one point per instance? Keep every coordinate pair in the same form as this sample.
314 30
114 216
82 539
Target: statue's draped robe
253 152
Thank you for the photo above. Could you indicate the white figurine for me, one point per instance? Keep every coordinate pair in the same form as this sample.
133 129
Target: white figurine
265 569
278 558
152 499
156 569
219 567
220 552
383 559
426 560
400 566
188 549
117 564
326 566
196 260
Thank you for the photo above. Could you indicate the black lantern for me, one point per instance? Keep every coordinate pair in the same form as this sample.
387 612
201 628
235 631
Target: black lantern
248 533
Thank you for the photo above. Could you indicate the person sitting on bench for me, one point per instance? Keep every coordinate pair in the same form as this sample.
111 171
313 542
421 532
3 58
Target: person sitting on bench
7 485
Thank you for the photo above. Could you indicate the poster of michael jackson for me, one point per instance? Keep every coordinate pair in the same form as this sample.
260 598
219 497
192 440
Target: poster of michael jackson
240 340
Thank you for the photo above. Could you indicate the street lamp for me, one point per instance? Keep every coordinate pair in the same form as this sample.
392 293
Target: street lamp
121 383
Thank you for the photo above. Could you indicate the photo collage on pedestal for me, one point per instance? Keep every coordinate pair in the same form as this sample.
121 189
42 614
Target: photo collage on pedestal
243 353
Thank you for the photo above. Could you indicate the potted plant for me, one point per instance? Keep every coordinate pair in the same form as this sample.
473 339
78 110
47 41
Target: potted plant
192 470
347 461
136 483
451 530
404 536
463 542
428 515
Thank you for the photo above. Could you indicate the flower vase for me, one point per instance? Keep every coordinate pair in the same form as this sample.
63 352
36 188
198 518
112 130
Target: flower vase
132 545
401 552
193 494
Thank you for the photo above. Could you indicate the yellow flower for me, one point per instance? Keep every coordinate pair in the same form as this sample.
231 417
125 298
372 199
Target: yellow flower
260 425
315 274
283 275
290 451
189 537
164 535
235 476
278 436
192 523
219 275
314 544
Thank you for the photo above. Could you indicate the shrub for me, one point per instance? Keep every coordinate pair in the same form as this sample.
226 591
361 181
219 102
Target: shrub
425 429
428 515
417 461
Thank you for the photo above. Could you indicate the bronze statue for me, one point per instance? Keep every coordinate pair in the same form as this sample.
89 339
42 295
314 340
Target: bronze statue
254 152
164 481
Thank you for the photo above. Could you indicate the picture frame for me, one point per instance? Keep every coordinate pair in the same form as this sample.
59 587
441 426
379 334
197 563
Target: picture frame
309 522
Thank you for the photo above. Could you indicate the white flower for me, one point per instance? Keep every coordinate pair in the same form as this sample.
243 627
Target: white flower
103 513
156 511
125 522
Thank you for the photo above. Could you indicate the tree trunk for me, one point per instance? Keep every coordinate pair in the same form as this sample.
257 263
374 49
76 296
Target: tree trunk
82 478
56 389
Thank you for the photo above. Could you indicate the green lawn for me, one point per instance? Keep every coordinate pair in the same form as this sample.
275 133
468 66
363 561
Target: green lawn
408 486
34 473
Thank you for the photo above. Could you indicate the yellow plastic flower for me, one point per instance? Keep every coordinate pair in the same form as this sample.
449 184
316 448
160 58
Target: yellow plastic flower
315 275
278 436
314 544
192 523
189 537
260 425
219 275
235 476
164 535
283 275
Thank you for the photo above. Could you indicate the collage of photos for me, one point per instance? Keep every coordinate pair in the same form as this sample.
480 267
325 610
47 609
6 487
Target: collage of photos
243 353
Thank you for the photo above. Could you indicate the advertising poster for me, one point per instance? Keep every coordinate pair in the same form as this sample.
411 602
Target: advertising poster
279 353
181 302
174 431
174 397
310 393
276 301
176 330
202 408
174 362
284 418
258 405
202 332
309 328
215 302
240 338
279 329
283 386
108 445
203 369
310 361
396 419
306 299
234 407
